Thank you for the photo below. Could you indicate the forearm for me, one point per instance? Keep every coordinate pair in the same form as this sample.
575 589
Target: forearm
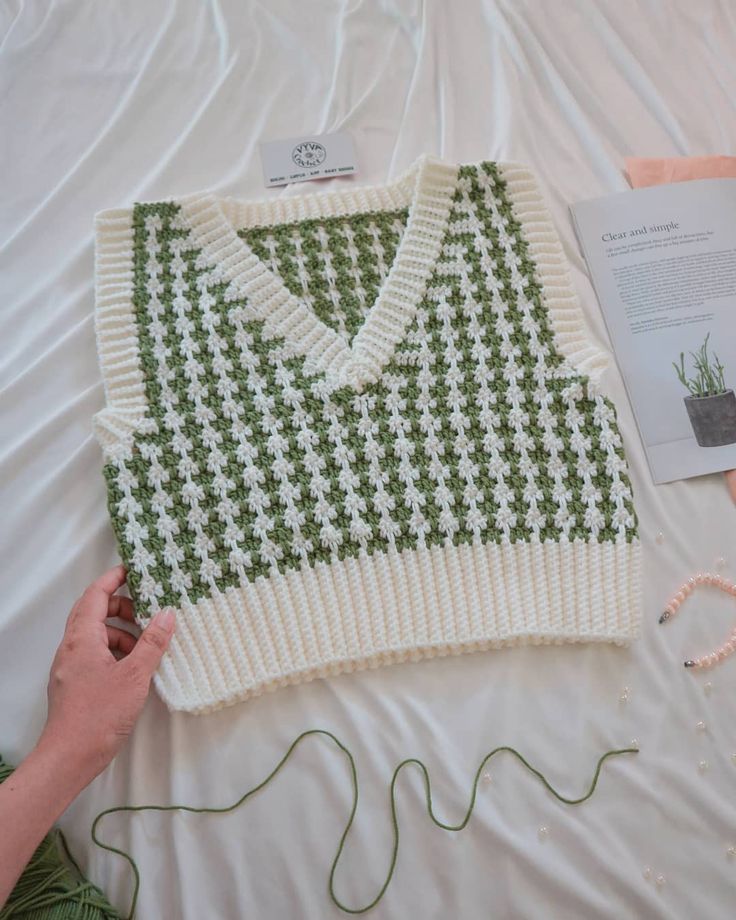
31 800
95 697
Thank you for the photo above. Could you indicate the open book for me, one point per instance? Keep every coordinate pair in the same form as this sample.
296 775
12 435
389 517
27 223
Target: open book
663 264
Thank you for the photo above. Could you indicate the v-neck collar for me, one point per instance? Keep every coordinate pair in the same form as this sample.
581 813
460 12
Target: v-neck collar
426 187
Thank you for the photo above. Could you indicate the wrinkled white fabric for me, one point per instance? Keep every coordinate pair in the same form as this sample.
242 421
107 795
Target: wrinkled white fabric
106 103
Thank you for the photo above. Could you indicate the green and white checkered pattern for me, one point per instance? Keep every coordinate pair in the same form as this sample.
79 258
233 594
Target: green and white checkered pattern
250 462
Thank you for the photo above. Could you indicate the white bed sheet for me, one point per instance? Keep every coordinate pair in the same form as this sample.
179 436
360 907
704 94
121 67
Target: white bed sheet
104 103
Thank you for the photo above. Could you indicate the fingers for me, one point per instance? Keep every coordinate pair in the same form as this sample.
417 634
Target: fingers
118 640
122 607
153 642
94 602
111 580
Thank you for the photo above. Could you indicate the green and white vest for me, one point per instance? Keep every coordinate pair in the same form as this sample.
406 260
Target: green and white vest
356 427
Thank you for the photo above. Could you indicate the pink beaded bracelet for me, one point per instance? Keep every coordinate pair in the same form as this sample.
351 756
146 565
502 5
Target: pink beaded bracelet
703 578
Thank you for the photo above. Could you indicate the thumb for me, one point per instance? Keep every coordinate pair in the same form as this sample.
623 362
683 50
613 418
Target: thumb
153 642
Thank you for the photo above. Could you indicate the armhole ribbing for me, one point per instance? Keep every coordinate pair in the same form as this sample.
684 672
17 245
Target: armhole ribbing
116 332
572 335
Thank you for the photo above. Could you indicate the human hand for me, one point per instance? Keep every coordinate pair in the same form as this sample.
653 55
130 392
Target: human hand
94 697
94 701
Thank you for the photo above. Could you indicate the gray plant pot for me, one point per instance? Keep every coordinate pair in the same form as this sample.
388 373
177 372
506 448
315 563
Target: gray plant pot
713 418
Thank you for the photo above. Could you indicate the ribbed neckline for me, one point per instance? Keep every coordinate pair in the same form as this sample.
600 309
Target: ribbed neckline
426 187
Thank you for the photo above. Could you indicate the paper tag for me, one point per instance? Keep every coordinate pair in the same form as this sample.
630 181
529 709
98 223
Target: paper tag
312 156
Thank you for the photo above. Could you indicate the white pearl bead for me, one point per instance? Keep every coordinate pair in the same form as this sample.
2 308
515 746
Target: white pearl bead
708 687
701 727
647 873
543 832
487 778
731 851
720 562
660 880
703 766
660 537
635 743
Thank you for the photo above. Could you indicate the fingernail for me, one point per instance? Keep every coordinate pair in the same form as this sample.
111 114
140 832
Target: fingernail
165 618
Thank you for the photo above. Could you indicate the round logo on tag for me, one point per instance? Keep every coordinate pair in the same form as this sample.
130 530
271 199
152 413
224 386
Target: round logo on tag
309 154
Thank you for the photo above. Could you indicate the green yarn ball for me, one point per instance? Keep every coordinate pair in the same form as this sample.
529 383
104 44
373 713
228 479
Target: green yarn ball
52 886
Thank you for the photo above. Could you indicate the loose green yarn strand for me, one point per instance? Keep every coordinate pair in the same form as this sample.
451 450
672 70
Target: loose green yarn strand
354 777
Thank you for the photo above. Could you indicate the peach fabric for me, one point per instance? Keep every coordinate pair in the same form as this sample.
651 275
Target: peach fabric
643 171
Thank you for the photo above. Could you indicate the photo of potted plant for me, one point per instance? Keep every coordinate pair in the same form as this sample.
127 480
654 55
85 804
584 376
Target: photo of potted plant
710 406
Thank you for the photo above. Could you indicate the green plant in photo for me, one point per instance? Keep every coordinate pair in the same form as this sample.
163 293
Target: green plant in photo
708 378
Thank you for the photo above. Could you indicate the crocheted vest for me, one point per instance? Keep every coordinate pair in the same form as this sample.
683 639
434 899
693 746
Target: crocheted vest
356 427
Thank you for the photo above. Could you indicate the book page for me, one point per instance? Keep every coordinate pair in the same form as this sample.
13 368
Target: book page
663 264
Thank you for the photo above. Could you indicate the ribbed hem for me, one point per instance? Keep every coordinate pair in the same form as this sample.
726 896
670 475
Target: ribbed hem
391 607
571 334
